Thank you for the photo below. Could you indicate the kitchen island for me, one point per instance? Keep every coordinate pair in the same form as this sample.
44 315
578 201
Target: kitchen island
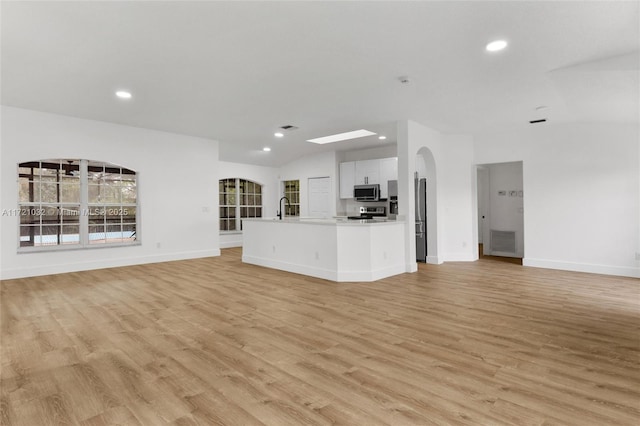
333 249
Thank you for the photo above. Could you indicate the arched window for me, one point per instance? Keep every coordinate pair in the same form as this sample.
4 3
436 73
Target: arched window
239 198
76 203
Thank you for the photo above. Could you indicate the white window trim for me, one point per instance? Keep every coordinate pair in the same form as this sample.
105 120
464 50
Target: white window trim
237 206
83 219
284 194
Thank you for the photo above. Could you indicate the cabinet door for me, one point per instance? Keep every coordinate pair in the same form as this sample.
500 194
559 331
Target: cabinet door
388 171
360 173
347 179
367 172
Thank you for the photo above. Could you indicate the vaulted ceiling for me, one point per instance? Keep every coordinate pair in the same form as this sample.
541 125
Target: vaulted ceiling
236 71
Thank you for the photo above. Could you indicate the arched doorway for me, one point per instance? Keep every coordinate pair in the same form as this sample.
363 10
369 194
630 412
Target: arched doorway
426 169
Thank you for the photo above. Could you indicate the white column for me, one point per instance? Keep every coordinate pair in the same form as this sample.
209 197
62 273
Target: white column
406 194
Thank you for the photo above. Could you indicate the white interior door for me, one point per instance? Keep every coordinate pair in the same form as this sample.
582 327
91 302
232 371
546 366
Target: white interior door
319 191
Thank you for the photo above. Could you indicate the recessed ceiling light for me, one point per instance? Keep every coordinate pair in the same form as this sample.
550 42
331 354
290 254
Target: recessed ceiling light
123 94
342 136
382 137
278 134
266 149
496 45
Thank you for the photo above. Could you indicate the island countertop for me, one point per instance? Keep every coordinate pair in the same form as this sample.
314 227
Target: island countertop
339 221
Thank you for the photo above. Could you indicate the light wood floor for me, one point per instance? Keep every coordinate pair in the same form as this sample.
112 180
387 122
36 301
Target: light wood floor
213 341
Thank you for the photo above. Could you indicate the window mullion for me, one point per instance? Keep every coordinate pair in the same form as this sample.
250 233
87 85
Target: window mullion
84 203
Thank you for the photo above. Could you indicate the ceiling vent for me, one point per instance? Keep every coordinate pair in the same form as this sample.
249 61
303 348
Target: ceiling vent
288 127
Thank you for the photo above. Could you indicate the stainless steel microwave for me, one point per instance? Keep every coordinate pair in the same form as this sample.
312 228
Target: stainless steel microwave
366 192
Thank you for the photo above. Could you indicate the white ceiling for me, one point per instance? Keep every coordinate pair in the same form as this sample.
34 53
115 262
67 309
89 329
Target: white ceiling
236 71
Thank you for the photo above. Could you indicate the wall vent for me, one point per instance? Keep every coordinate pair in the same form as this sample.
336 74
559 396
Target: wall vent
503 241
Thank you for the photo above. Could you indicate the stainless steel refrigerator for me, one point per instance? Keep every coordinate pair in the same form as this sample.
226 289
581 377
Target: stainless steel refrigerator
421 219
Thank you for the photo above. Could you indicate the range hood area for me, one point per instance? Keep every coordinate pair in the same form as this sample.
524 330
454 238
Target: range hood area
369 192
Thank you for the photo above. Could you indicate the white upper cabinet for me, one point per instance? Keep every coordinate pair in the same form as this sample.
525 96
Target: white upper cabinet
367 172
388 171
347 179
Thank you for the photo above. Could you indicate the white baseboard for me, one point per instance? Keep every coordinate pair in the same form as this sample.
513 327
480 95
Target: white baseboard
633 272
230 244
411 267
434 260
458 257
34 271
373 275
326 274
231 239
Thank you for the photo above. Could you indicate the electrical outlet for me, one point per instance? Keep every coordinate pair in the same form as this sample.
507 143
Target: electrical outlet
637 256
158 245
273 248
317 256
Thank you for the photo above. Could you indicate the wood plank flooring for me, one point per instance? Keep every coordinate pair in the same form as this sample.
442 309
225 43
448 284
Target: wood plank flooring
216 342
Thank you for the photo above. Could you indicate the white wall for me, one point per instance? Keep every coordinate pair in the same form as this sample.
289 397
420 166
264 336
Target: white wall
455 193
266 176
384 151
319 165
458 195
581 194
178 189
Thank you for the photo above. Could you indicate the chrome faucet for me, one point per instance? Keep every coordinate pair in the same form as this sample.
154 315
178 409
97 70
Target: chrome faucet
280 206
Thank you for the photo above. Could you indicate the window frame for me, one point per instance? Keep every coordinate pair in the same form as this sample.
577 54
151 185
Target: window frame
239 204
292 196
84 208
221 206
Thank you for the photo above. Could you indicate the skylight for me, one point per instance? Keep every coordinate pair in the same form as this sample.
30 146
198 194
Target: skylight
122 94
496 46
342 136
